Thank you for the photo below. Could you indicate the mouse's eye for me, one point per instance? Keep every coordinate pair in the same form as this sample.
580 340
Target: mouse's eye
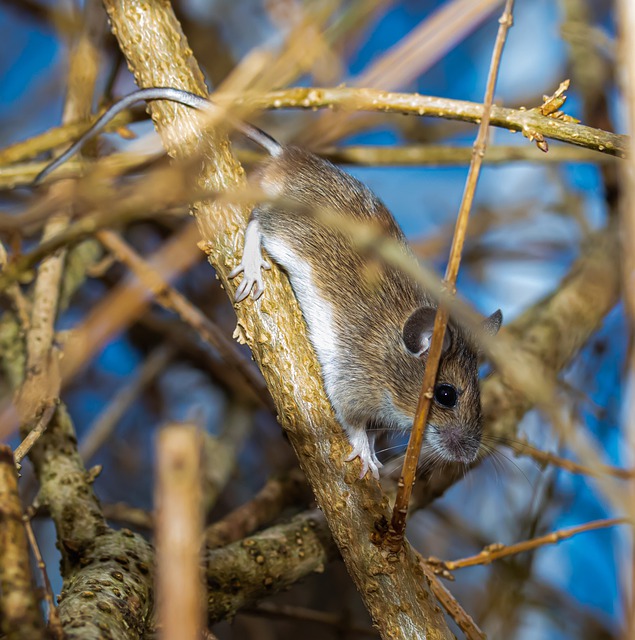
446 395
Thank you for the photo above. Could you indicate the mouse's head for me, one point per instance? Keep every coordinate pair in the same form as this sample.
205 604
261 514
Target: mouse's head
453 432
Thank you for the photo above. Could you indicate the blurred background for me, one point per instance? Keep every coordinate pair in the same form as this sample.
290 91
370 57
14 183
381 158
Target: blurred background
530 219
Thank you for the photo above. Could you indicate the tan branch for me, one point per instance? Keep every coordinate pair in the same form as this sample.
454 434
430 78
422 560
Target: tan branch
179 524
394 593
497 551
20 615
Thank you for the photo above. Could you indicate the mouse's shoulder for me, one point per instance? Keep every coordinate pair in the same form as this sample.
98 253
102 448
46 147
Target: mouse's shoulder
315 182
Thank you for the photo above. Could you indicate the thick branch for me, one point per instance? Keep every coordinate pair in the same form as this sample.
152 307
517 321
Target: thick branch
394 593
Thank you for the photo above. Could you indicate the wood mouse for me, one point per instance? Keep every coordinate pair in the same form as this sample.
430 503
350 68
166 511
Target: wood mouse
369 323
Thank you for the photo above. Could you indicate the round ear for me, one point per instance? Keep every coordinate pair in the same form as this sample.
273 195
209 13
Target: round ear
417 332
492 324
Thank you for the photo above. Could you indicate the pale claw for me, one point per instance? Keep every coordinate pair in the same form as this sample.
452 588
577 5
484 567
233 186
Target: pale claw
251 265
362 450
251 280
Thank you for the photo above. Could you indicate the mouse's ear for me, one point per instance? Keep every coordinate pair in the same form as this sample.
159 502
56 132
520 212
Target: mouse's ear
417 332
492 324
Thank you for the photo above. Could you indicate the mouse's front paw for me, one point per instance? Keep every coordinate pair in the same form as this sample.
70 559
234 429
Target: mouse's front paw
252 277
363 451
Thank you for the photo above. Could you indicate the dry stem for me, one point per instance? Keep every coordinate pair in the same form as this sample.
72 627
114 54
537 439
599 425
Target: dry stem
408 475
496 551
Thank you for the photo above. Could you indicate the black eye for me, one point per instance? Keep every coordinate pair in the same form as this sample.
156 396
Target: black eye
446 395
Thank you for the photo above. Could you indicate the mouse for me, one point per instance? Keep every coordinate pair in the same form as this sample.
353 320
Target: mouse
369 323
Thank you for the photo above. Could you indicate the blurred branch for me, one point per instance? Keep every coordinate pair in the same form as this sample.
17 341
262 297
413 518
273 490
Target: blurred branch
188 313
41 384
406 61
105 423
20 615
265 506
179 523
54 623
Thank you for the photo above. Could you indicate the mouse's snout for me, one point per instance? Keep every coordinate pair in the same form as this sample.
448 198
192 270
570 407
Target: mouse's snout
454 443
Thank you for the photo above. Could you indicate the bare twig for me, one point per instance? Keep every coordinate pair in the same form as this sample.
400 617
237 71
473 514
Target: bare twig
546 457
496 551
34 434
42 382
452 607
413 452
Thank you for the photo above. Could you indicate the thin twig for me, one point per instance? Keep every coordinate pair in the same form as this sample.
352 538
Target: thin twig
546 457
20 615
532 123
497 550
451 605
408 475
54 623
34 434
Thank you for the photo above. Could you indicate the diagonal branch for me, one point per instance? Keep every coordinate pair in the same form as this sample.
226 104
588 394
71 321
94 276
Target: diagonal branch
396 594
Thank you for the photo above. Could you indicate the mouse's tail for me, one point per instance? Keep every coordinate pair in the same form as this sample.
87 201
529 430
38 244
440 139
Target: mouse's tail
256 135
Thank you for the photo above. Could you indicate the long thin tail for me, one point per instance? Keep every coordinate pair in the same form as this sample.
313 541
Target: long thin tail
257 136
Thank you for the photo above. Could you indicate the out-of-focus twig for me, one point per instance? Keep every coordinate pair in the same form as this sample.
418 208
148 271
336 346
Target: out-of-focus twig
405 61
172 299
54 624
264 507
105 423
179 523
120 307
